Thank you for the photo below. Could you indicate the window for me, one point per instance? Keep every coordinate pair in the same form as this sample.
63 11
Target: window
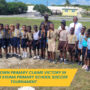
73 10
66 10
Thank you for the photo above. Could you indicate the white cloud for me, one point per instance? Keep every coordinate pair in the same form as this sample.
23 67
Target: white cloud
82 2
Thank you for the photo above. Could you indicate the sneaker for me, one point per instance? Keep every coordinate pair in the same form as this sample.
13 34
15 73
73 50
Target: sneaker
61 60
84 66
20 57
30 56
7 56
66 61
35 57
0 56
38 57
70 62
55 62
88 69
79 63
50 61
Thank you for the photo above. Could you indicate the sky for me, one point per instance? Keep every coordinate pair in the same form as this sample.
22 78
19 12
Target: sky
51 2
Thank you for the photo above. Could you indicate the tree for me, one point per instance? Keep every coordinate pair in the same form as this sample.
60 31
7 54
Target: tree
42 9
67 3
3 7
16 8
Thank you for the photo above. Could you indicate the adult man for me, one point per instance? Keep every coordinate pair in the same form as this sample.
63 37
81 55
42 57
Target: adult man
46 22
77 26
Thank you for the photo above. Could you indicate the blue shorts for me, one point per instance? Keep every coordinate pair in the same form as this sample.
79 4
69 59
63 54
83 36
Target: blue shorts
14 42
5 43
36 44
11 42
0 43
24 43
84 51
88 54
42 44
18 42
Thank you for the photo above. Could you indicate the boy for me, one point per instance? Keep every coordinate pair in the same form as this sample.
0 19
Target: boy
6 40
71 45
17 35
36 44
63 33
84 47
1 39
11 41
88 51
80 38
30 38
24 41
51 35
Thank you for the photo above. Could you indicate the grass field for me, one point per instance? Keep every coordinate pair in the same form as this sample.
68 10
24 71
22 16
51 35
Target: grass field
82 78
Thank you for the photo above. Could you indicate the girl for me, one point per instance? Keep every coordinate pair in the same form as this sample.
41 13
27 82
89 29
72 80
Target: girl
42 36
30 38
51 42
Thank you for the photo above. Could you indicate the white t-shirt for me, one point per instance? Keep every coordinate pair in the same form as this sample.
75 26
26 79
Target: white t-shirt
78 27
66 28
36 35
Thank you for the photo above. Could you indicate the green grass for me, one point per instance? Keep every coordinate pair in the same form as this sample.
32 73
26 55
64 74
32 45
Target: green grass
26 21
82 78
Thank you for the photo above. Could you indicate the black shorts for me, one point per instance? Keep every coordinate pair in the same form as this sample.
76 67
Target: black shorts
36 44
88 54
24 43
79 51
5 43
84 51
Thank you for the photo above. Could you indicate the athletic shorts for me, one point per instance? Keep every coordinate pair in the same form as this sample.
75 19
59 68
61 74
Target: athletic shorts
5 43
36 44
24 43
0 43
84 51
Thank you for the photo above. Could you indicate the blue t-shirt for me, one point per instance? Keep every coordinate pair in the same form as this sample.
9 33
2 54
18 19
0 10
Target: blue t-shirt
84 42
88 43
80 38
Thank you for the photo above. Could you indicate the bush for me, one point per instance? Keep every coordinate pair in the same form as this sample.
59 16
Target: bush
42 9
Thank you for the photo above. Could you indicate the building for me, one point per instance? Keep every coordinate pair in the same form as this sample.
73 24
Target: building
69 12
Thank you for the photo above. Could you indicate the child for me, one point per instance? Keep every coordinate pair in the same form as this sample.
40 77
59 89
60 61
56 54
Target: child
84 47
88 51
36 44
80 38
30 38
17 35
1 38
6 40
51 42
11 43
24 41
71 45
63 42
42 36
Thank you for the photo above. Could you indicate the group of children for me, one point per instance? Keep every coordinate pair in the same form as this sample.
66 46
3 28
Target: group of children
15 41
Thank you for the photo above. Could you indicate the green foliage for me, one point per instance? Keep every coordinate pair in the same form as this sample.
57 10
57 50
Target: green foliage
42 9
3 7
12 7
16 8
67 2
